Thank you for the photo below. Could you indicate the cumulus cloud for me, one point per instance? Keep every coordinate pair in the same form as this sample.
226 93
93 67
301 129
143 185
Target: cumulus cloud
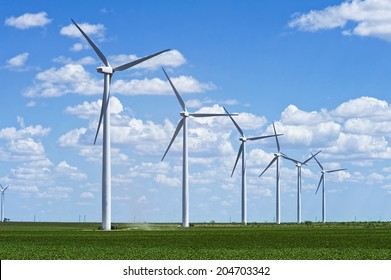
357 128
18 62
87 60
28 20
23 143
364 107
72 138
70 78
92 30
171 58
165 180
74 79
12 133
368 17
71 172
88 110
184 84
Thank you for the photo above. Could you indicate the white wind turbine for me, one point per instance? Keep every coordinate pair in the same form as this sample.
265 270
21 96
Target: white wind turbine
299 165
242 151
2 190
322 181
183 123
108 72
276 159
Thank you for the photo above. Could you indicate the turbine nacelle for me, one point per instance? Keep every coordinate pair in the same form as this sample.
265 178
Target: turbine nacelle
184 114
243 139
105 70
277 154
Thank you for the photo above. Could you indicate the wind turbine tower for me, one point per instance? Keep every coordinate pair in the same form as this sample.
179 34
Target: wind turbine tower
3 201
322 181
299 164
276 159
108 72
185 172
242 151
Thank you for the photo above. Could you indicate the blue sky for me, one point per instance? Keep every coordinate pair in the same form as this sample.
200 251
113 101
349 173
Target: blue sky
318 69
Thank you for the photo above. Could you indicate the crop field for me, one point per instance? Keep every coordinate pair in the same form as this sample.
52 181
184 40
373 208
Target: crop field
83 241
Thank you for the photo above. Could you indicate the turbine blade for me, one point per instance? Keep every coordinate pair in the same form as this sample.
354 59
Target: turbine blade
335 170
237 126
105 104
321 167
274 159
237 158
138 61
275 134
313 155
178 128
100 117
320 181
98 52
5 188
205 115
176 92
260 137
289 158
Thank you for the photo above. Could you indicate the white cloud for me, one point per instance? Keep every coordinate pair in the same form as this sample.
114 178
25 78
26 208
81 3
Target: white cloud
165 180
294 116
72 138
171 58
364 107
28 20
71 78
87 195
26 146
11 133
88 110
369 17
184 84
358 128
17 63
74 79
87 60
92 30
71 172
31 104
197 103
76 47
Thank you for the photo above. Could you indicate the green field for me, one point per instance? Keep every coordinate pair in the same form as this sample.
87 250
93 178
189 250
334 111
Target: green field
78 241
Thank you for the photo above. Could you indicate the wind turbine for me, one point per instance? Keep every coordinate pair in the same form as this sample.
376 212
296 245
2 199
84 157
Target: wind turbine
108 72
299 165
3 201
242 151
183 123
322 181
276 159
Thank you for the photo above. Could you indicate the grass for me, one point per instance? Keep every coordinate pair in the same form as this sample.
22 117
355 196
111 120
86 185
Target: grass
78 241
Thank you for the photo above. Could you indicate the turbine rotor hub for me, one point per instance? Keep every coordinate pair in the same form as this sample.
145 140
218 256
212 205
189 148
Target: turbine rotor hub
105 70
184 114
243 139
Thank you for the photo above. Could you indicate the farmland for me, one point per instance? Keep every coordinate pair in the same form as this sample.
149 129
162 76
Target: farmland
78 241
